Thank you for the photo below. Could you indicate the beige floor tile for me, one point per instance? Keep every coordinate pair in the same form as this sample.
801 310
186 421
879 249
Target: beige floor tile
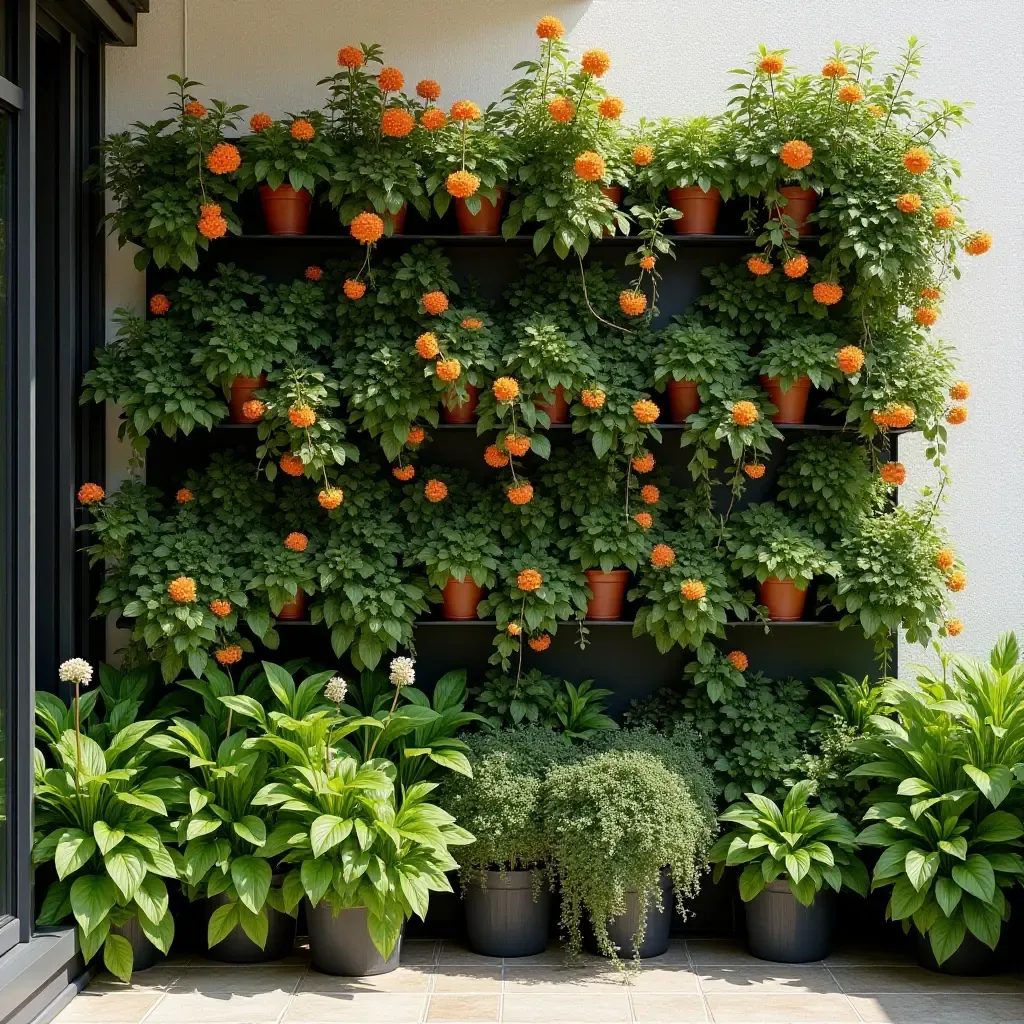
156 977
454 955
929 1008
784 1009
882 955
109 1006
406 979
588 978
215 979
475 1008
476 980
910 978
649 1008
672 978
778 980
343 1008
720 953
418 952
609 1007
553 956
675 955
225 1007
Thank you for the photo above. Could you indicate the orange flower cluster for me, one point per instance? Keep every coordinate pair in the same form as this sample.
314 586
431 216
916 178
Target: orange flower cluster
796 154
506 389
353 289
183 496
647 262
89 494
956 581
253 410
755 470
514 629
182 590
260 122
916 160
944 218
462 184
428 89
529 580
954 627
540 643
301 130
772 64
926 315
350 57
296 541
301 416
896 416
427 346
520 494
195 109
448 370
851 93
893 473
517 444
850 359
366 227
228 655
931 294
396 123
909 202
592 398
220 607
643 463
549 27
471 323
433 119
595 62
435 302
313 273
211 224
944 559
223 159
416 435
795 266
643 155
745 413
292 465
662 556
435 491
561 109
611 108
644 520
632 302
645 411
404 473
692 590
465 110
834 69
159 304
759 266
649 494
960 391
495 457
330 497
978 244
957 415
826 293
738 660
589 166
390 79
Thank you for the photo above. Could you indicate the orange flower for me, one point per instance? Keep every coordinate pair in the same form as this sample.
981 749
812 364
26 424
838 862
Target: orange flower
592 398
944 559
433 119
461 184
520 494
390 79
330 497
595 62
260 122
645 411
759 266
416 435
632 302
772 64
931 294
471 323
796 154
643 463
850 359
159 304
956 581
223 159
834 69
745 414
516 444
448 370
465 110
611 108
301 130
184 496
211 224
917 160
540 643
428 89
549 27
795 266
353 289
366 227
738 660
404 473
301 416
561 109
978 244
495 457
435 302
182 590
893 473
755 470
647 262
589 166
644 520
220 607
826 293
292 465
296 541
954 627
435 491
396 122
649 494
506 389
692 590
875 110
529 580
851 93
427 346
926 315
350 57
957 415
228 655
253 410
195 109
89 494
960 391
514 629
899 416
662 556
643 155
313 273
909 202
944 217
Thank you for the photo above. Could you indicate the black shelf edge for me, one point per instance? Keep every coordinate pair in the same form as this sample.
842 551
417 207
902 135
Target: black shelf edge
818 623
695 241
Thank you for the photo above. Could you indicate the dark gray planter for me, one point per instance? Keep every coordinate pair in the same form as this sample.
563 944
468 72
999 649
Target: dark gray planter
622 928
341 945
504 919
238 948
144 953
782 929
973 959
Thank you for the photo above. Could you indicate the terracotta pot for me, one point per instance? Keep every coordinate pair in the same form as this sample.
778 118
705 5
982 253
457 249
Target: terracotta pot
614 193
460 598
558 410
242 390
785 603
487 221
609 590
800 204
285 210
294 609
792 404
396 220
464 412
699 209
683 399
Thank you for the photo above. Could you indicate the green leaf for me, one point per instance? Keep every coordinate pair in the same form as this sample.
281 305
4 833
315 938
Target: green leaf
998 827
975 876
160 932
73 851
921 868
118 957
93 942
983 921
151 898
905 900
995 784
223 922
945 937
316 878
251 829
327 832
92 897
751 882
251 876
255 926
127 870
106 837
947 894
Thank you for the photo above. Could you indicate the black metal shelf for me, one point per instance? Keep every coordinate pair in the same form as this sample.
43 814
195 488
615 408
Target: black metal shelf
694 241
820 623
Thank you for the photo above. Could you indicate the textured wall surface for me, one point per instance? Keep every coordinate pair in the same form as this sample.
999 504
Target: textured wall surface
673 57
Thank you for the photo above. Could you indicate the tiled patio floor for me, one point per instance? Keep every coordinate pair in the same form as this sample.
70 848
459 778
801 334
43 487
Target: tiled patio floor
703 981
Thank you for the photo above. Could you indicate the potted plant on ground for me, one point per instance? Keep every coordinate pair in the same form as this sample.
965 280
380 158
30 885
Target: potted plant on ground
790 364
790 855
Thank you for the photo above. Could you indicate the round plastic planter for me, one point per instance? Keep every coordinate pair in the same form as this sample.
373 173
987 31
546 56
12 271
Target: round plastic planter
557 410
486 221
242 390
785 602
609 590
504 919
238 948
144 953
699 209
683 399
464 412
973 959
341 945
621 929
791 404
459 598
294 609
800 204
285 210
782 929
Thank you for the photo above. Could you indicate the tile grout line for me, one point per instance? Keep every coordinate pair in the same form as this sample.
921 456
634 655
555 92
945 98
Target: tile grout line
163 992
431 980
839 986
501 993
295 988
700 988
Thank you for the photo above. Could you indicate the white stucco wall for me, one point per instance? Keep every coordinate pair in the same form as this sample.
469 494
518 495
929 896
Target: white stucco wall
673 57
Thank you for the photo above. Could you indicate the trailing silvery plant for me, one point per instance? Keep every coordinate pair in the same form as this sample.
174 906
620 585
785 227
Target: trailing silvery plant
947 813
101 817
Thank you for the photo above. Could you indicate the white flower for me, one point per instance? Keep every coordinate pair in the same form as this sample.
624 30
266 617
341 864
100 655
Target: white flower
403 672
336 689
75 670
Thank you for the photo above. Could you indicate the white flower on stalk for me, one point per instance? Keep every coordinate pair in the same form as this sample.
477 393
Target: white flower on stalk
75 670
403 672
336 689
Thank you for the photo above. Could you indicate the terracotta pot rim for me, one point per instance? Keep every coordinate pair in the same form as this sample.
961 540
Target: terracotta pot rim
614 575
285 191
696 192
797 192
682 385
800 384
